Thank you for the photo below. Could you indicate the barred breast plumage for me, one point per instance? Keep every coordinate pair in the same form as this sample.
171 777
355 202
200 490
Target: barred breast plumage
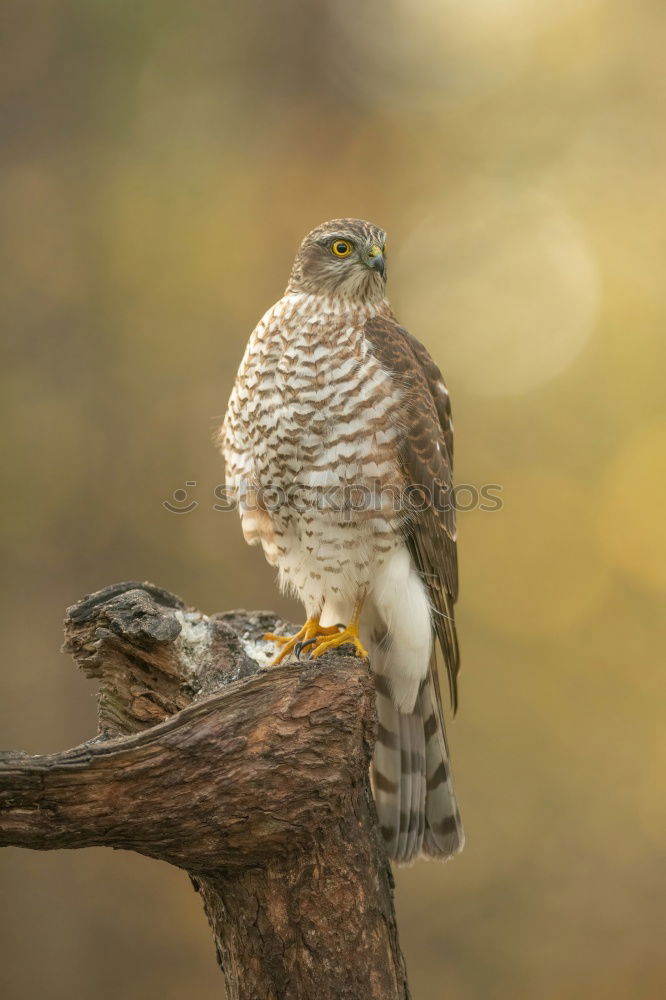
334 413
310 435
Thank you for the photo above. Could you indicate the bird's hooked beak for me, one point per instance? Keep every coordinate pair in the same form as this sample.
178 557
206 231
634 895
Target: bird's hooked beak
375 259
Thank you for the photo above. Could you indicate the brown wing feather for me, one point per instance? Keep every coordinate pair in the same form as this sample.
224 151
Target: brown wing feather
426 455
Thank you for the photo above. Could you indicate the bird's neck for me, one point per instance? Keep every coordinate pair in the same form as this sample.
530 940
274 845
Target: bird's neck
338 306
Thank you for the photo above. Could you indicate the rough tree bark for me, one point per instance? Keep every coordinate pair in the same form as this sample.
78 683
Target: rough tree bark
254 781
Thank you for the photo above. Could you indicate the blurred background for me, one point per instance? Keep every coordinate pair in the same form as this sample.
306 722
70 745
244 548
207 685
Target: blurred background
160 163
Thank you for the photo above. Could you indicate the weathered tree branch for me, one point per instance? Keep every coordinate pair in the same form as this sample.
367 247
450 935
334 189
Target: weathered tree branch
254 781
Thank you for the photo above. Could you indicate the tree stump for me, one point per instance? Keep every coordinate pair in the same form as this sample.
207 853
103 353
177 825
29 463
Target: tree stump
252 779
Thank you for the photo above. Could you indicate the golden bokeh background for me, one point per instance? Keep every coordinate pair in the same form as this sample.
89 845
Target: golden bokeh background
161 162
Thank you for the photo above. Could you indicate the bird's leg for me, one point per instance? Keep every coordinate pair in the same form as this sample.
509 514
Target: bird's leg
310 632
347 635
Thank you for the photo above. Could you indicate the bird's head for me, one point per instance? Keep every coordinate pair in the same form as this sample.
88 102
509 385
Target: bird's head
343 258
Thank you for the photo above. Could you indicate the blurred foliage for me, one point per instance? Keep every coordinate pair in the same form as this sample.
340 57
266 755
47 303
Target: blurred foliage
161 162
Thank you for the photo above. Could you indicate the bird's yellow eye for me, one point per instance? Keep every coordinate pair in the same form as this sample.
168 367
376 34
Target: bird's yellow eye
341 248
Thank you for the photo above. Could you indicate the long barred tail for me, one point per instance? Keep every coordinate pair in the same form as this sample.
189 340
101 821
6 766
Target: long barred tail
411 776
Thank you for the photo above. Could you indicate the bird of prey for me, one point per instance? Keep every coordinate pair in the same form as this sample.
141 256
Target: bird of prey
338 445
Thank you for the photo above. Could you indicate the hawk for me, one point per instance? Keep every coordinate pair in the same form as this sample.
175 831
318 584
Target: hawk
338 445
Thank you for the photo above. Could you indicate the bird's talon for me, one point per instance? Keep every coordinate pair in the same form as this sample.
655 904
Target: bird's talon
308 642
348 636
311 632
271 637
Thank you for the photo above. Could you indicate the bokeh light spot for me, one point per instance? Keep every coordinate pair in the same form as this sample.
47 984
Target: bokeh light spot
509 277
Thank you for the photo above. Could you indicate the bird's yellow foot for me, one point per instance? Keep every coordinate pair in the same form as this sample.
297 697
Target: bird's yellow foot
310 632
348 635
